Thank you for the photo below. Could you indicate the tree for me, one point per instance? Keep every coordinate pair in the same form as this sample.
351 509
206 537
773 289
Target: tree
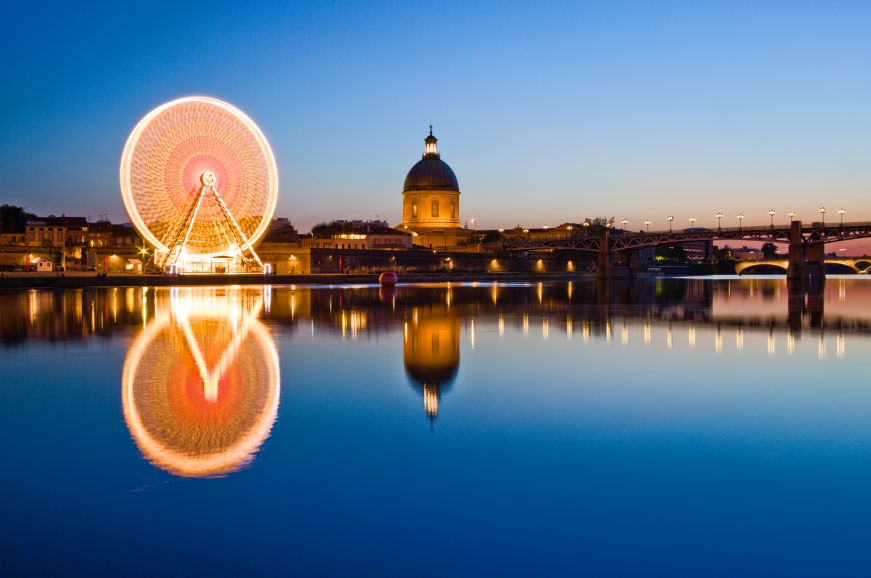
14 218
769 250
600 221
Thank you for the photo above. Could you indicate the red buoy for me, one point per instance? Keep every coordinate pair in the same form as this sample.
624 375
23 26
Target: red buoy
388 279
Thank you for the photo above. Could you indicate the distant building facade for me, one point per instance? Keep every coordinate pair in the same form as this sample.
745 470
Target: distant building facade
366 235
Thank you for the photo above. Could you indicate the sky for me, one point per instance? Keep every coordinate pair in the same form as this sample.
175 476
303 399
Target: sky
547 112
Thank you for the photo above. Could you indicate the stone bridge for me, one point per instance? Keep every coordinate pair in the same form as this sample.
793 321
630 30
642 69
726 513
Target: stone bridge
860 265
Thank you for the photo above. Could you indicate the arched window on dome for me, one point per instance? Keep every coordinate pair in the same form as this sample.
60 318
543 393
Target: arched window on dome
453 210
435 208
414 210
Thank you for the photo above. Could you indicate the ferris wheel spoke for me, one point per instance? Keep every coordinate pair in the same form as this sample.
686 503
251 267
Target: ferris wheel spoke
177 227
190 227
242 238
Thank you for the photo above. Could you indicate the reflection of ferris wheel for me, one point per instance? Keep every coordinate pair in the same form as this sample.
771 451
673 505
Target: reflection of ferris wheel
201 382
199 182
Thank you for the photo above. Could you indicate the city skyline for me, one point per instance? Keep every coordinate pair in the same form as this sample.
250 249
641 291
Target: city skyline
546 116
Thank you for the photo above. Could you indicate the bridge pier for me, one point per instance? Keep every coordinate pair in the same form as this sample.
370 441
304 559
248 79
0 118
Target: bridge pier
815 264
805 260
795 269
603 258
610 264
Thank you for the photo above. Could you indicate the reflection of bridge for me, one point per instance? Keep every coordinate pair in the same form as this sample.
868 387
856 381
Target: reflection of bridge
615 247
861 265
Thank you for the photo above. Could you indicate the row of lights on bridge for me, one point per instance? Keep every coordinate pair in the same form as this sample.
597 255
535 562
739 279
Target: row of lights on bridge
718 216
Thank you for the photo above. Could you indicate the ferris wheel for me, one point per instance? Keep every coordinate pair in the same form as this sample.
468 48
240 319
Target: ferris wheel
199 182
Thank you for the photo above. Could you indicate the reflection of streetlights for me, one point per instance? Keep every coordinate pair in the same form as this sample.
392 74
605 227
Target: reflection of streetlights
823 213
740 219
647 222
719 220
692 222
771 214
791 216
669 219
842 212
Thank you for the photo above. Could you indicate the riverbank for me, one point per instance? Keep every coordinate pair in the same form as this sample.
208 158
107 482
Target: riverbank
82 280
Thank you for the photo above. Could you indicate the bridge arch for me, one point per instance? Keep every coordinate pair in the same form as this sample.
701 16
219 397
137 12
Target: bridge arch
841 268
863 264
765 267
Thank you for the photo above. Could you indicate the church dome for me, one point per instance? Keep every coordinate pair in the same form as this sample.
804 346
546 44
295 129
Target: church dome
431 172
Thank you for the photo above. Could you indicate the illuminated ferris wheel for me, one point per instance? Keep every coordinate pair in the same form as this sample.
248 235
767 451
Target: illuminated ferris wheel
200 184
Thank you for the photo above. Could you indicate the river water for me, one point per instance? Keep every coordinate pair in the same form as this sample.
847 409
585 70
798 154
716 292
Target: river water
668 427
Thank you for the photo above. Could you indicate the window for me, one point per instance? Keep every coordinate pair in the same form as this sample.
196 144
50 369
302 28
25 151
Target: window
453 210
435 208
414 210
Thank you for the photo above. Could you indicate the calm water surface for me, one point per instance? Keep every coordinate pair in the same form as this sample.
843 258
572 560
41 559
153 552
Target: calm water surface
666 428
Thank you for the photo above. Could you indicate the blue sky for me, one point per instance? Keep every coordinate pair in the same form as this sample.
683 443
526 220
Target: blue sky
546 111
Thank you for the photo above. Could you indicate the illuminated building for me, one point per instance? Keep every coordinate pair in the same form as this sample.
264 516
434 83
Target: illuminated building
368 235
431 201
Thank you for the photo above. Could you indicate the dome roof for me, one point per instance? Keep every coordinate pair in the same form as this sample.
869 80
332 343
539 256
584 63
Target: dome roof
431 173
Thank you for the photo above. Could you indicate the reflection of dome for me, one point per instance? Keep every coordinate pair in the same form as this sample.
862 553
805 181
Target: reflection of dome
201 388
431 172
431 354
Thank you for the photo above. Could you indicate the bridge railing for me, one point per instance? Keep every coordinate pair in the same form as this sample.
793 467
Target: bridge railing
713 231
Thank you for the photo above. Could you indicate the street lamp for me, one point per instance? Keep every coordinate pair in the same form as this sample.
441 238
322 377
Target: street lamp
771 214
823 213
791 216
740 219
669 219
842 212
647 222
692 222
625 222
719 220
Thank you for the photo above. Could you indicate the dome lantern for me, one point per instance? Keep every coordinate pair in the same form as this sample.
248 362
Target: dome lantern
430 151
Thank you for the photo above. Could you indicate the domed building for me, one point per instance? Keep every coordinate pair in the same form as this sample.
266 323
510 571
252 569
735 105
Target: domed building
431 201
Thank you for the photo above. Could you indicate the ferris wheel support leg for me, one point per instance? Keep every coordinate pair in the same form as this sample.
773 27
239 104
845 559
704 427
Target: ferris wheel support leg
229 216
176 231
187 235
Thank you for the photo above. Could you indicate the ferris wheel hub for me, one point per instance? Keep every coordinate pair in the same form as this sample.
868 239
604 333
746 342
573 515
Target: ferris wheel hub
208 178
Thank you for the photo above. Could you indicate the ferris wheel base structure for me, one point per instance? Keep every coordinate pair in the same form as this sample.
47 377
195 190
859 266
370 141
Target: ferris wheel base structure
200 184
